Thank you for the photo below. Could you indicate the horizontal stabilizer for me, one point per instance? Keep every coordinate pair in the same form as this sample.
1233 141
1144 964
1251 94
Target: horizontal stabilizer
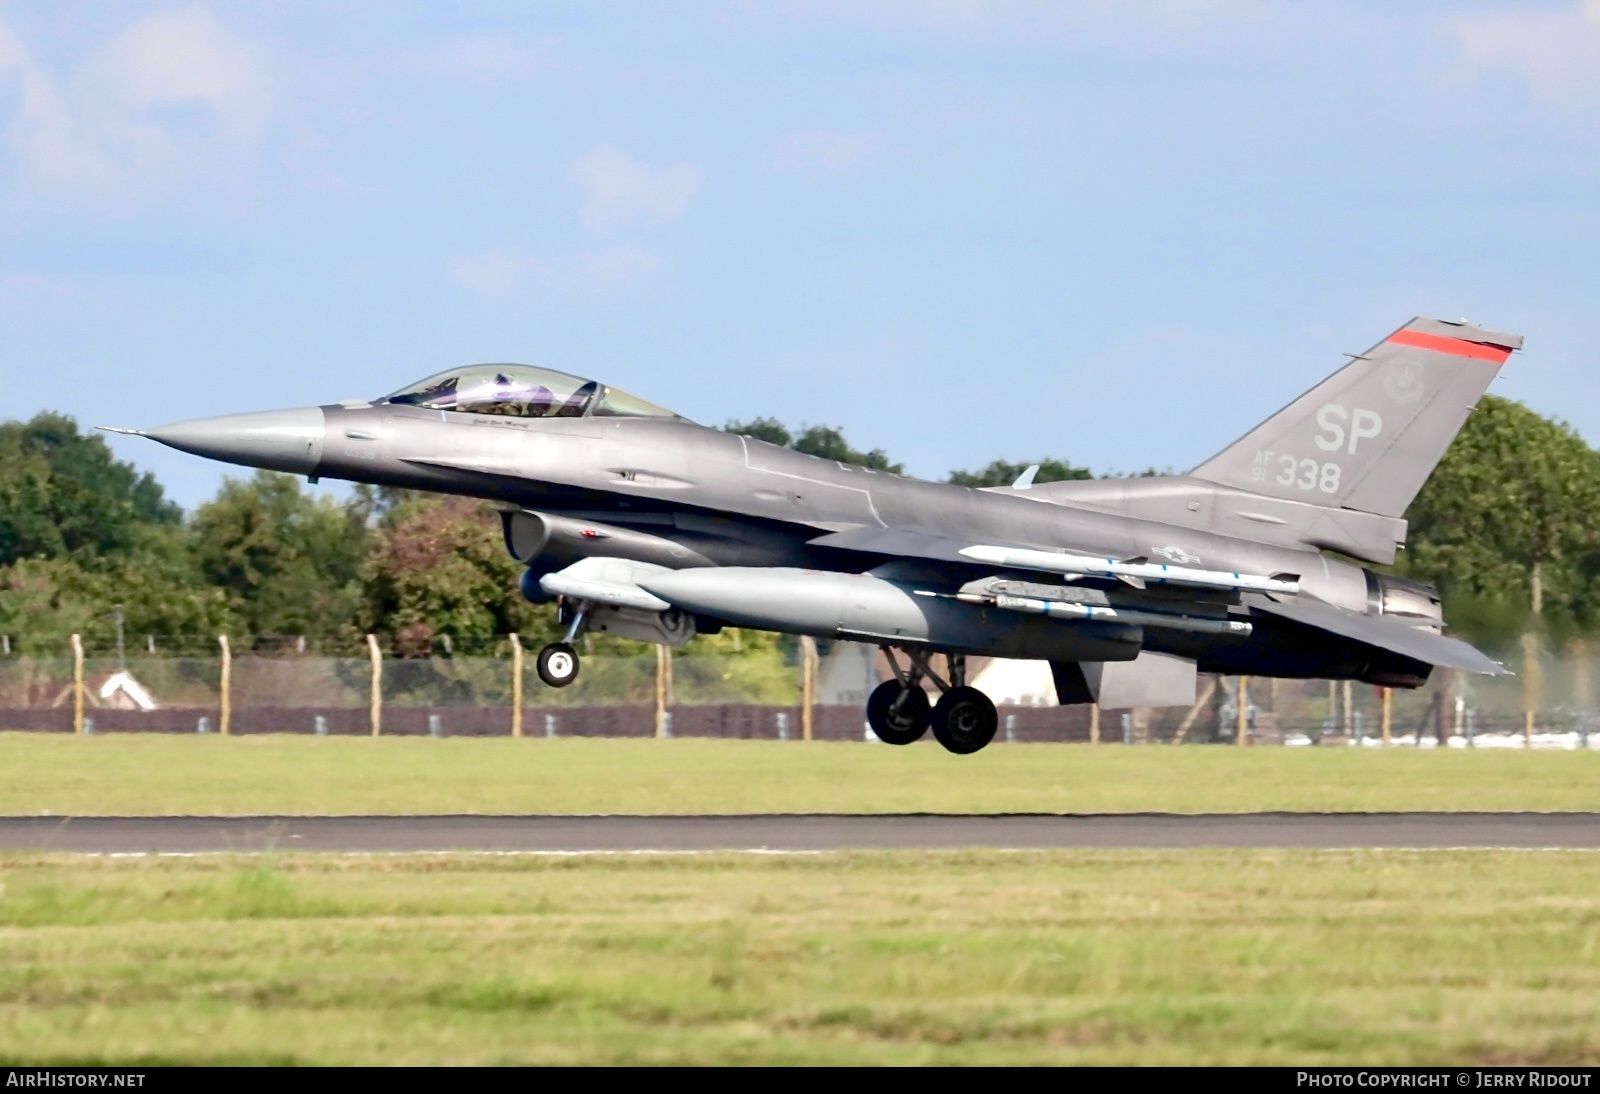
1385 634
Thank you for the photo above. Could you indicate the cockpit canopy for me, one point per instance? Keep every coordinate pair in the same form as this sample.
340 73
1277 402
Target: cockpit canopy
522 391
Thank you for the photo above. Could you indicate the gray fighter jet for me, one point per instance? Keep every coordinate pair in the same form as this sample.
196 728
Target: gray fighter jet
641 523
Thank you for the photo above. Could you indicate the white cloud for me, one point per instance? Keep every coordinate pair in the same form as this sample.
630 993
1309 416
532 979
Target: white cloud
620 192
175 103
1136 24
1555 52
824 153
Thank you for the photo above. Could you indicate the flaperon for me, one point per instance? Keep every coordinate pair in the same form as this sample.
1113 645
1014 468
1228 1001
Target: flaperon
646 525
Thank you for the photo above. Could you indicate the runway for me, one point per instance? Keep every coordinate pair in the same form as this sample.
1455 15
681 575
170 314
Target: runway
794 833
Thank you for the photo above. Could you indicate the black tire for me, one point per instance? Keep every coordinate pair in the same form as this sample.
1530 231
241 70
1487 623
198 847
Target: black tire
897 726
557 664
964 720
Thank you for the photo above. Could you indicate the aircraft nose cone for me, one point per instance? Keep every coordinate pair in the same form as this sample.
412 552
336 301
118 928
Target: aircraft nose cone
277 440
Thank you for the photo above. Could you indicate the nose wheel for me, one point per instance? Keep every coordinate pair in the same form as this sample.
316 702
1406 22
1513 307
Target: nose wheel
557 664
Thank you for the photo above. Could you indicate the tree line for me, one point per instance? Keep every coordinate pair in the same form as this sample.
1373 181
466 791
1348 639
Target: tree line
1508 527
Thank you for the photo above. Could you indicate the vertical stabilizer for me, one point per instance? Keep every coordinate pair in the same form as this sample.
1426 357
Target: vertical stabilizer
1368 436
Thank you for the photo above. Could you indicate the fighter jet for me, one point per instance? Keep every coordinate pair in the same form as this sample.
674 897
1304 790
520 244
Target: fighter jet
640 523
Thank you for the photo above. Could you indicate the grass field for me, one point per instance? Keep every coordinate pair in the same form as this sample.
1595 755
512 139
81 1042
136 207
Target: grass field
1074 956
1106 957
133 775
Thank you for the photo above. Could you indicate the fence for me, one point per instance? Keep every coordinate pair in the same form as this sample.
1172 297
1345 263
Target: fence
817 694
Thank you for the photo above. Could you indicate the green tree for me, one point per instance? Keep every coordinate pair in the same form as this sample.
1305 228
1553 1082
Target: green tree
764 429
439 568
1514 502
1003 473
44 600
288 562
63 495
826 442
85 538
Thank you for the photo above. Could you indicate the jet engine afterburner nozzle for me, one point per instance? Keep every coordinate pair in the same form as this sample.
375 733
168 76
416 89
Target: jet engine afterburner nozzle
277 440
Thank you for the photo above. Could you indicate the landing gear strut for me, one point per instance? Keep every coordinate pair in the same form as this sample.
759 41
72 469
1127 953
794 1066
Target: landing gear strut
557 664
964 720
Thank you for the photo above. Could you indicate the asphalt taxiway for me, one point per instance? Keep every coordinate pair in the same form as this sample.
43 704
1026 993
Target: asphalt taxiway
795 832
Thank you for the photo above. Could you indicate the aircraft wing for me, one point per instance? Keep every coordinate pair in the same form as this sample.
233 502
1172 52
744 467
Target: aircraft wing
1386 634
1415 643
896 543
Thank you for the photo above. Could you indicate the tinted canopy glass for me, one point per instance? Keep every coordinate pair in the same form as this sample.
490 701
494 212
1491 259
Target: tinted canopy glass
522 391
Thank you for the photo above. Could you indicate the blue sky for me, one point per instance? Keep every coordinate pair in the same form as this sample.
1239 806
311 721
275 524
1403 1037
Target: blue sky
1118 233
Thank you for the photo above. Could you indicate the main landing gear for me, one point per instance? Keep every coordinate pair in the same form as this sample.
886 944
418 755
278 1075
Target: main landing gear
557 664
963 720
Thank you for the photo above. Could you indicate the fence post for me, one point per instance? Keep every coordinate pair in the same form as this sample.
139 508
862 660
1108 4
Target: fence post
662 653
225 700
375 705
1201 702
77 684
808 683
1531 684
1580 689
1094 723
516 685
1388 720
1441 708
1242 728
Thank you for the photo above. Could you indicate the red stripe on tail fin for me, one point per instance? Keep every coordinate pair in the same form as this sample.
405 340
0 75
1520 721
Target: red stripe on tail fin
1459 347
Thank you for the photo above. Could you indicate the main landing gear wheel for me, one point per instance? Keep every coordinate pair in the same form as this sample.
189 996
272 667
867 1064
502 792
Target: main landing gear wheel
964 720
557 664
897 714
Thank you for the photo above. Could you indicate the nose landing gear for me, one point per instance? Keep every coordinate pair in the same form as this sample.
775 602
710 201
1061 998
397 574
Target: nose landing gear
557 664
963 721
